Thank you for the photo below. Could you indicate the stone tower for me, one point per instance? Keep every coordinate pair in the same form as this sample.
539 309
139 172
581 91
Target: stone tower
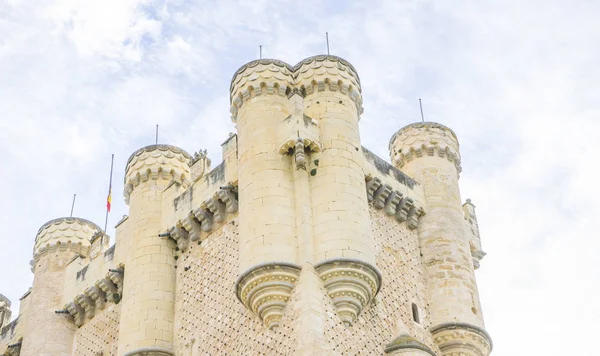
56 244
429 152
301 242
147 319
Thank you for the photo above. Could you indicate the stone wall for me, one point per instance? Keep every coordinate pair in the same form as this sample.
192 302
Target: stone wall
210 320
100 335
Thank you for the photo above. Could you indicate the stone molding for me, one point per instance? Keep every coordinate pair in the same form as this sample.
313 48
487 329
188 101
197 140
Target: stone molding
157 162
14 349
313 74
298 148
266 288
351 284
64 234
394 203
150 351
424 139
203 219
109 289
455 338
407 343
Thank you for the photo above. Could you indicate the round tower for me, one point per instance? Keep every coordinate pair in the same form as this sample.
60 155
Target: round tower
56 243
268 257
429 153
343 244
147 312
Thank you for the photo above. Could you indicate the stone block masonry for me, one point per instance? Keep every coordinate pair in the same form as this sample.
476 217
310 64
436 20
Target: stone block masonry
301 242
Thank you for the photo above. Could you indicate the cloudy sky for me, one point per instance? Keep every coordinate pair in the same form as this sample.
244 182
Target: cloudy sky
516 79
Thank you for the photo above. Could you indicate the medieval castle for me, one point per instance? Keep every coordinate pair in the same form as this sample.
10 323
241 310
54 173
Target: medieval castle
300 242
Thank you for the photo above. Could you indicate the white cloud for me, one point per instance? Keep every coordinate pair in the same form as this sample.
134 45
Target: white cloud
516 80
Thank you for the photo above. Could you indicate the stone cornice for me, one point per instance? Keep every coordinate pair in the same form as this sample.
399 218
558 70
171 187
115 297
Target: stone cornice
157 162
266 288
313 74
150 351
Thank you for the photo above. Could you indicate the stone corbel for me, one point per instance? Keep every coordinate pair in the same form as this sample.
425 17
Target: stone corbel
392 202
97 295
351 284
372 185
217 208
87 304
380 196
205 218
109 288
227 196
403 208
180 236
77 312
192 227
117 279
413 217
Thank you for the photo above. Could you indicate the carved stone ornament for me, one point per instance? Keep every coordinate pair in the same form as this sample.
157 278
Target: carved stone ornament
266 289
351 284
150 351
404 344
462 339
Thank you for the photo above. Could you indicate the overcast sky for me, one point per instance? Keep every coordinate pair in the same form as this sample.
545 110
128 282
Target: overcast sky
518 81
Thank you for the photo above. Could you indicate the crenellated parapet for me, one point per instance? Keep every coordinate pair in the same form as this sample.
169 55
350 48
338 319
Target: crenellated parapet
275 77
259 77
424 139
65 234
394 203
328 73
157 162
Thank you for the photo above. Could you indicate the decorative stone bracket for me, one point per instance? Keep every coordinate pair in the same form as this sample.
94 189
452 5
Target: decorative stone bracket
393 202
407 345
351 284
298 148
265 290
202 219
95 297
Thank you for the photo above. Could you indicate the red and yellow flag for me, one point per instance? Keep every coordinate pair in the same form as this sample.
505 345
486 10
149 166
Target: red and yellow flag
109 198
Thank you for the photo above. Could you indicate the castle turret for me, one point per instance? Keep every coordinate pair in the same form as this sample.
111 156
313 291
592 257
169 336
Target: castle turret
268 243
56 243
344 249
429 152
147 312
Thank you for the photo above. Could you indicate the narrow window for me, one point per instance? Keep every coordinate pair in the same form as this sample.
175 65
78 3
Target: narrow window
415 313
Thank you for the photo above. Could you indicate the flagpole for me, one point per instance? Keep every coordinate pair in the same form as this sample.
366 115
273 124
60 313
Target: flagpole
73 205
109 193
421 106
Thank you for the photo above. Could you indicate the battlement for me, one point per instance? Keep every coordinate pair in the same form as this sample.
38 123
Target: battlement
424 138
313 74
73 234
157 162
